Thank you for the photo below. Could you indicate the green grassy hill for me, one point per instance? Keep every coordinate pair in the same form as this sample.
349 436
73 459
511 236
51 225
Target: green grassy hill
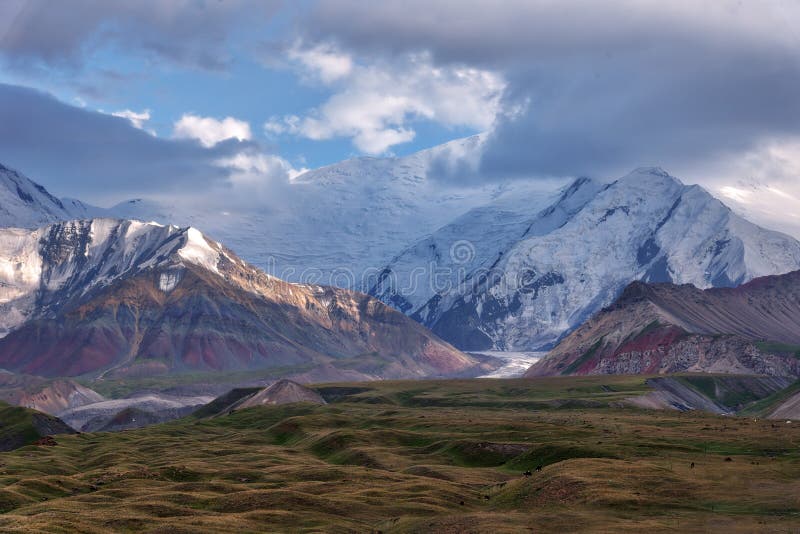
22 426
427 456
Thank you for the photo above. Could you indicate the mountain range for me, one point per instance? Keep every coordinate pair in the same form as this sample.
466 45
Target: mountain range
511 266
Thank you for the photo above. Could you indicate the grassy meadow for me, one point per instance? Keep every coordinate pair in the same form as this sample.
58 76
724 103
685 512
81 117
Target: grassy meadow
425 456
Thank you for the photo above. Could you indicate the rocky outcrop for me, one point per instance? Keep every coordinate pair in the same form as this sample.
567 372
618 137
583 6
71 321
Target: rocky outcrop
281 392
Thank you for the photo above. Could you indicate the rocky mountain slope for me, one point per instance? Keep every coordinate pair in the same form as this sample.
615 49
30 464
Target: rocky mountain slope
48 396
787 409
710 393
132 412
527 280
666 328
109 298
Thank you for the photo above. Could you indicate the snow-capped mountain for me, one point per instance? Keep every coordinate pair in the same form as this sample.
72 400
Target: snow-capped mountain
472 246
537 278
339 224
26 204
111 296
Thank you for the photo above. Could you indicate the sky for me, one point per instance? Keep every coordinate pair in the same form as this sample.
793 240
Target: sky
104 101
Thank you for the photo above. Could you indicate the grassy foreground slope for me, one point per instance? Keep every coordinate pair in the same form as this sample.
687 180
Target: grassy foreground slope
432 456
22 426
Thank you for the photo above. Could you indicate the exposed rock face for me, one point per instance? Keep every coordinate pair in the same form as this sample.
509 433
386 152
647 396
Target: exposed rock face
121 298
788 409
281 392
132 412
664 328
60 395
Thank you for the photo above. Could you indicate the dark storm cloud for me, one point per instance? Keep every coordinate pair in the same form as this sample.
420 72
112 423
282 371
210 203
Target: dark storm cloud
600 87
84 154
191 32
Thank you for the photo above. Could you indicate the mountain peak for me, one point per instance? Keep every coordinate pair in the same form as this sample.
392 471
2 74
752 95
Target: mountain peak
650 173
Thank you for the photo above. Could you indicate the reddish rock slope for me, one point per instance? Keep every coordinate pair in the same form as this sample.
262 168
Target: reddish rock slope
664 328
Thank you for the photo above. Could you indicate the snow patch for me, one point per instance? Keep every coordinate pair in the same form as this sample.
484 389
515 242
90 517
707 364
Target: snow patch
169 280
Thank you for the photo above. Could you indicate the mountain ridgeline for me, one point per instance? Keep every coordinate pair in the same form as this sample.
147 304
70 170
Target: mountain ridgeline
110 298
510 266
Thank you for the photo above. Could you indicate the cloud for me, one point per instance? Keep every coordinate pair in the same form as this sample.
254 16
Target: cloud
507 32
257 168
102 158
763 183
597 87
378 104
188 32
210 131
136 119
322 60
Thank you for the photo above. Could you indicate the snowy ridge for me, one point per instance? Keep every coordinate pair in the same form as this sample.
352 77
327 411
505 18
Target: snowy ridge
474 244
25 204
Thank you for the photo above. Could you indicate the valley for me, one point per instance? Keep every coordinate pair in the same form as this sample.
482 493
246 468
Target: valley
446 456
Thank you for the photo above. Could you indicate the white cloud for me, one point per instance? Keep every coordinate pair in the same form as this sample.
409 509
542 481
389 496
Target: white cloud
323 60
137 119
762 184
255 168
376 105
210 131
281 125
